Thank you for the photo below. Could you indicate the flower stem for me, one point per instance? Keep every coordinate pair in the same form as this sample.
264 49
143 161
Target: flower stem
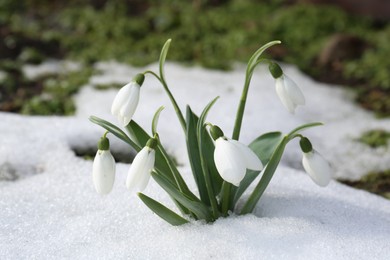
172 99
226 188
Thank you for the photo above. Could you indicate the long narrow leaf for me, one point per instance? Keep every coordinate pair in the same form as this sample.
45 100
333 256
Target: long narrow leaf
162 211
195 206
115 131
194 155
163 56
155 120
208 148
201 132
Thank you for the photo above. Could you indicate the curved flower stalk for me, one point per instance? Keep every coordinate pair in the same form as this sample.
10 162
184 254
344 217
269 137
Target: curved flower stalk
232 158
126 101
288 92
103 170
139 173
314 164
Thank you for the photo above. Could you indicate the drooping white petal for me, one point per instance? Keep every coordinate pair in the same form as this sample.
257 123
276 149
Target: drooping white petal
317 167
128 108
251 160
139 172
283 95
293 91
229 161
120 99
103 171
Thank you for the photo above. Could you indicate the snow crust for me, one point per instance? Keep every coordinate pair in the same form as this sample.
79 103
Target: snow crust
53 212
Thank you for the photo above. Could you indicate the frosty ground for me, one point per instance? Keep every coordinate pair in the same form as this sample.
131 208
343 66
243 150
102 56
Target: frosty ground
51 210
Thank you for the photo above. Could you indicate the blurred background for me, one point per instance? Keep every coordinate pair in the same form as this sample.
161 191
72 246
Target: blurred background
338 41
344 42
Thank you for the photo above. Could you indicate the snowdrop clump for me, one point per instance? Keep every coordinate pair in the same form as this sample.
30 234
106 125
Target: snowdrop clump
223 168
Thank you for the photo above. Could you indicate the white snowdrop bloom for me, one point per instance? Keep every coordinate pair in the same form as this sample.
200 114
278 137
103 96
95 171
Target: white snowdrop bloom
289 93
232 158
139 172
126 101
317 167
103 171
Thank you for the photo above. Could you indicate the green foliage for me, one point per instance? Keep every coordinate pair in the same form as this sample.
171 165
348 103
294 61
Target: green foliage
212 34
375 182
56 95
375 138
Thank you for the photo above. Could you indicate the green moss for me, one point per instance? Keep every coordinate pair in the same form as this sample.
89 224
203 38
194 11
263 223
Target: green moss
375 138
378 183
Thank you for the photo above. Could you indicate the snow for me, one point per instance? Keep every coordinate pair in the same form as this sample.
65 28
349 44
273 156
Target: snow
51 210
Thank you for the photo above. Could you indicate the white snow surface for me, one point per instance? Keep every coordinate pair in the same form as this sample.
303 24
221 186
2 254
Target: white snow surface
53 212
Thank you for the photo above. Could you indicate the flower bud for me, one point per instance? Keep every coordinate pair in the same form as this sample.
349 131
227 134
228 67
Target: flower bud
317 167
275 70
103 169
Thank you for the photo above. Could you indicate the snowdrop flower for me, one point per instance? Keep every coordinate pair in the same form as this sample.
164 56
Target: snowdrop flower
103 169
126 101
232 158
314 164
143 163
288 92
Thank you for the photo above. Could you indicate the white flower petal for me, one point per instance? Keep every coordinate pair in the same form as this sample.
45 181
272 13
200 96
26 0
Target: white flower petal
229 161
251 160
103 171
317 167
120 99
293 91
139 172
128 108
283 95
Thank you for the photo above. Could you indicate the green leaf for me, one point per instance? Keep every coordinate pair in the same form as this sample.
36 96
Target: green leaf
137 133
208 148
194 205
163 56
201 131
155 120
194 155
115 131
266 178
303 127
162 211
263 146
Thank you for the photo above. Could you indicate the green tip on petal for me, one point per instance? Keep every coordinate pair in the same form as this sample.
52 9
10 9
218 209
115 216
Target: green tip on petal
275 70
305 145
139 78
104 143
216 132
